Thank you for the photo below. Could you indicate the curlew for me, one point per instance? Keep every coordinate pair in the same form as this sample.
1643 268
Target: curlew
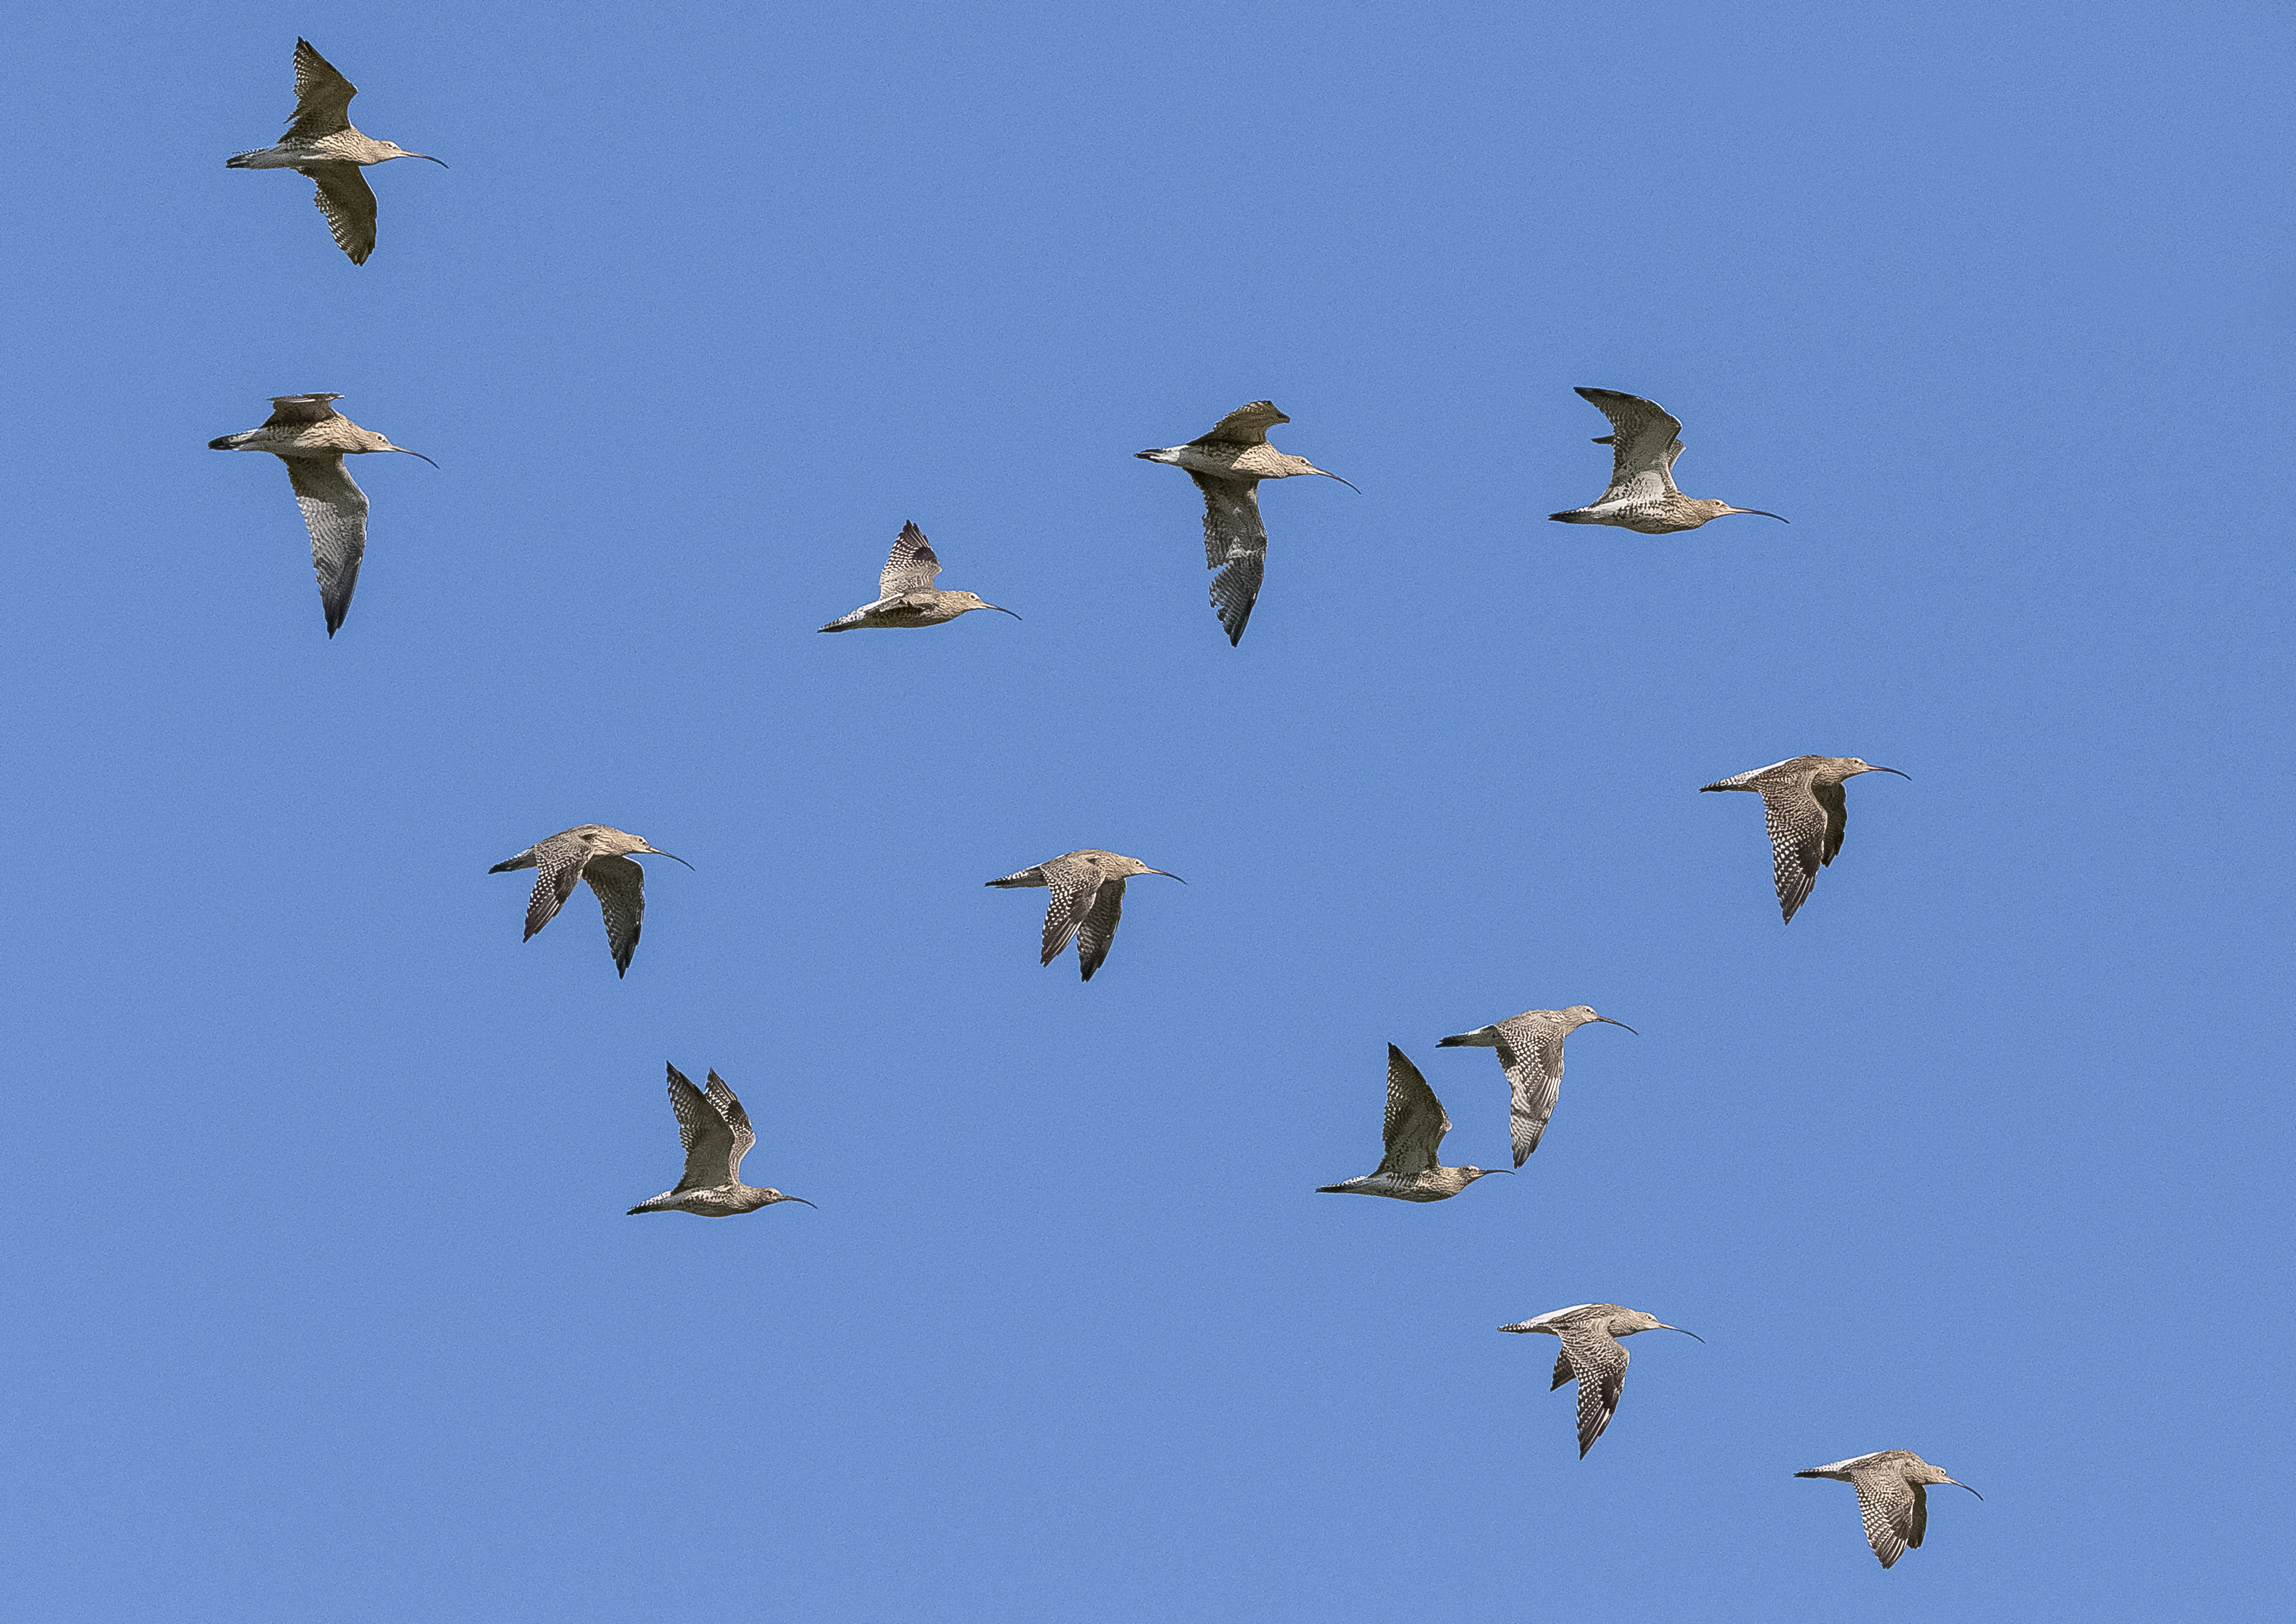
1642 495
1531 1052
322 144
905 595
1227 465
313 438
1088 889
1589 1332
717 1134
1414 1132
596 853
1893 1499
1804 806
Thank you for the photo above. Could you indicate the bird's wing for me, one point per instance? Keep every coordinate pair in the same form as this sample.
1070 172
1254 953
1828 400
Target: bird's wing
289 411
1247 425
1416 1119
619 885
349 204
1837 817
323 96
721 1095
1233 537
1885 1504
1921 1519
1075 884
1564 1369
559 860
710 1155
1797 823
1643 446
1530 1048
1601 1364
1097 929
912 566
334 510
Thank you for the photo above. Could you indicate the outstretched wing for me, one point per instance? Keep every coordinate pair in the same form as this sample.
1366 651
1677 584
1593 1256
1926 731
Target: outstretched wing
323 96
349 204
1563 1370
334 510
1797 826
1601 1365
1885 1505
559 860
710 1158
912 566
1247 425
1643 445
1097 929
288 411
1530 1049
1416 1119
619 885
1075 884
737 1123
1234 537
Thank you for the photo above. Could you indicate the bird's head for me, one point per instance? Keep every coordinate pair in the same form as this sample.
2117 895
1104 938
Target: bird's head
622 844
372 441
1851 767
392 148
1124 868
969 600
1579 1014
1717 510
1301 465
1922 1472
771 1196
1634 1320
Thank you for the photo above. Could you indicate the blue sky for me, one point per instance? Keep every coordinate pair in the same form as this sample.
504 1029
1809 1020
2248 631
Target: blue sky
323 1298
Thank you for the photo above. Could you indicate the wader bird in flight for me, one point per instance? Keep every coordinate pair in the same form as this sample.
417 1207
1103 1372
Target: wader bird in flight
1227 465
321 144
717 1134
1531 1052
1414 1131
1642 495
1589 1332
1803 804
1893 1499
905 595
312 438
595 853
1088 889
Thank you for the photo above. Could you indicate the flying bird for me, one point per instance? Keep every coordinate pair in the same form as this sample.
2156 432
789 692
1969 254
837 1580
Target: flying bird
1088 891
595 853
1804 806
1414 1132
1892 1497
717 1134
1589 1332
1642 495
1531 1052
313 438
905 595
322 145
1227 465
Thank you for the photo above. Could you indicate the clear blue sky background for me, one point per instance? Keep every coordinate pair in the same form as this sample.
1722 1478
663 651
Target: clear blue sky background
324 1303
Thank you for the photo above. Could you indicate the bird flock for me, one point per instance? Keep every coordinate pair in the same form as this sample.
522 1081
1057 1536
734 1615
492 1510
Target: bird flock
1803 802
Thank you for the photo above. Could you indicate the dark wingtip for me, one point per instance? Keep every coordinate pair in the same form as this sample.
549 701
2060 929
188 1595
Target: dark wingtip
1808 1474
1329 1189
220 444
1562 518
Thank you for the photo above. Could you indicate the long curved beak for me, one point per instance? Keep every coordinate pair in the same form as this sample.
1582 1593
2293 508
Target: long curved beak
1606 1021
413 453
1908 777
674 858
1000 608
1328 474
1957 1483
1692 1335
1759 513
1168 873
441 162
786 1198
